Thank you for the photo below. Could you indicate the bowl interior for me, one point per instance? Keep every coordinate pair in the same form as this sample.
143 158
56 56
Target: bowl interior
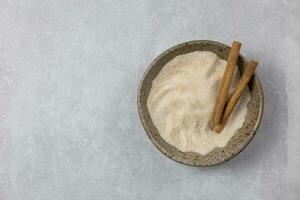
240 139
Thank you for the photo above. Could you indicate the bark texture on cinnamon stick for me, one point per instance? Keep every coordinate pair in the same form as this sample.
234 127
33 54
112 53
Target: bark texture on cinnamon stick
248 73
225 83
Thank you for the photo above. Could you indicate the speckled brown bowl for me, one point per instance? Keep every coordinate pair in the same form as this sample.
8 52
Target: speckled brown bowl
240 139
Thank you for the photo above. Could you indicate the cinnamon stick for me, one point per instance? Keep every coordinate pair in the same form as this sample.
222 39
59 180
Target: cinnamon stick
248 73
225 83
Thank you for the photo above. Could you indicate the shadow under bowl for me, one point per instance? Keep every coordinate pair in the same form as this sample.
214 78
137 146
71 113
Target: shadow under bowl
240 139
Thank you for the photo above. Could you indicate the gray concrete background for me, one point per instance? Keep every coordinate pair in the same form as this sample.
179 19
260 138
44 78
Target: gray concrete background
69 73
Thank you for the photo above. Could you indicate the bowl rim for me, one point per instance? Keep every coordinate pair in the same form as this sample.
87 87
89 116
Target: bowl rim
144 124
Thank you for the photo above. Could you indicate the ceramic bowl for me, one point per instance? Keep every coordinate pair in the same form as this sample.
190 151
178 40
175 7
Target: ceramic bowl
240 139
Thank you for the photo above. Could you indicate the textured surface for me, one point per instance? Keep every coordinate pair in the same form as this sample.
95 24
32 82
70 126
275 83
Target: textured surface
218 155
69 73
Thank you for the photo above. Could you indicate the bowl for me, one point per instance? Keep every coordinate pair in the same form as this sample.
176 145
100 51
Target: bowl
241 138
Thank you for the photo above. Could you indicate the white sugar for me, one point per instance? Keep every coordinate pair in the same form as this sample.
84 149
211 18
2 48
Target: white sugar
182 99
